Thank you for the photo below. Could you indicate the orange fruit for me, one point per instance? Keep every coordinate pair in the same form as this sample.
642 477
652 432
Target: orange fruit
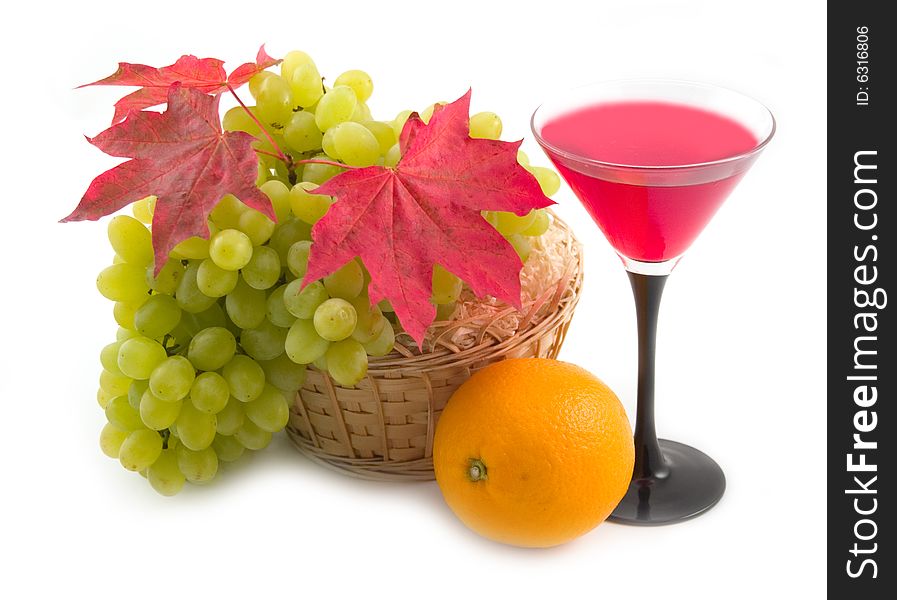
533 452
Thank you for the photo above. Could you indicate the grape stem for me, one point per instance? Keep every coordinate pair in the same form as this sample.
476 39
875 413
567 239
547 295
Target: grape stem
266 153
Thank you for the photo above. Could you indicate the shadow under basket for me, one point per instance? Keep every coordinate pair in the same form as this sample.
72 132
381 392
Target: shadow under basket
383 428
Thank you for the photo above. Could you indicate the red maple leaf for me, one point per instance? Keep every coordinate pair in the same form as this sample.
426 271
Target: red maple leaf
182 157
204 74
425 211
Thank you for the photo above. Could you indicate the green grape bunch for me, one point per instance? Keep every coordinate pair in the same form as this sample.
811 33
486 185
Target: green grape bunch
210 353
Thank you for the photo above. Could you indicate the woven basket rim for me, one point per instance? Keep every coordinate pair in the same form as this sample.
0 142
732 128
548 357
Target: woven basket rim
395 361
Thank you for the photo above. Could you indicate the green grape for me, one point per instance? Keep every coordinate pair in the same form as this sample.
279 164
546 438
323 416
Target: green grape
359 81
292 61
336 106
191 324
193 248
114 384
398 124
485 125
171 380
121 414
361 113
237 119
270 411
246 306
297 258
225 215
548 180
256 81
304 303
508 223
308 207
111 439
347 282
252 436
164 474
522 246
166 282
198 466
277 311
347 362
383 132
123 282
541 223
427 113
522 158
103 398
370 320
135 392
303 344
227 448
212 348
256 226
354 144
305 85
245 378
123 313
125 334
301 133
277 193
335 319
263 269
188 295
445 312
287 234
282 173
159 315
327 144
156 413
230 249
109 357
213 281
138 356
384 343
283 373
230 418
320 363
209 392
446 286
143 209
393 156
131 240
319 173
264 342
140 449
275 101
196 429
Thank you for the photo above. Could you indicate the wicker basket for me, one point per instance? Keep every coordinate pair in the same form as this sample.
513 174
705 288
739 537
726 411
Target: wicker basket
383 428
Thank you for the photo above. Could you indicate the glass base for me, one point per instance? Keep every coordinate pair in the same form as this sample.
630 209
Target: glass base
694 485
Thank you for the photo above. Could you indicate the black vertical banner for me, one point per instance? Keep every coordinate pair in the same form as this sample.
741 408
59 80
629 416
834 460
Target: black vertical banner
862 370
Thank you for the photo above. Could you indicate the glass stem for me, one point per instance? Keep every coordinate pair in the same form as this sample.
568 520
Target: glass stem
649 461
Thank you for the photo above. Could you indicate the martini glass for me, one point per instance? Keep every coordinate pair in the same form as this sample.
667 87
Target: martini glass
652 161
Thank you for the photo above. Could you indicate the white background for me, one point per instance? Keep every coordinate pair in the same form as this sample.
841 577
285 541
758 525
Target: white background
741 341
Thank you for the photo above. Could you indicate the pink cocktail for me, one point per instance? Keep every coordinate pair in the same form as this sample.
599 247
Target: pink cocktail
645 222
652 161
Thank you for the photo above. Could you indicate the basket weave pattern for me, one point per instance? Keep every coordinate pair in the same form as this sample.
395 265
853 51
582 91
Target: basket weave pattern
383 428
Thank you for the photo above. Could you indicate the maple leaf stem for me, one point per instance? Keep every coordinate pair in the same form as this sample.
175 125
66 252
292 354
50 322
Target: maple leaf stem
266 153
280 153
315 161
